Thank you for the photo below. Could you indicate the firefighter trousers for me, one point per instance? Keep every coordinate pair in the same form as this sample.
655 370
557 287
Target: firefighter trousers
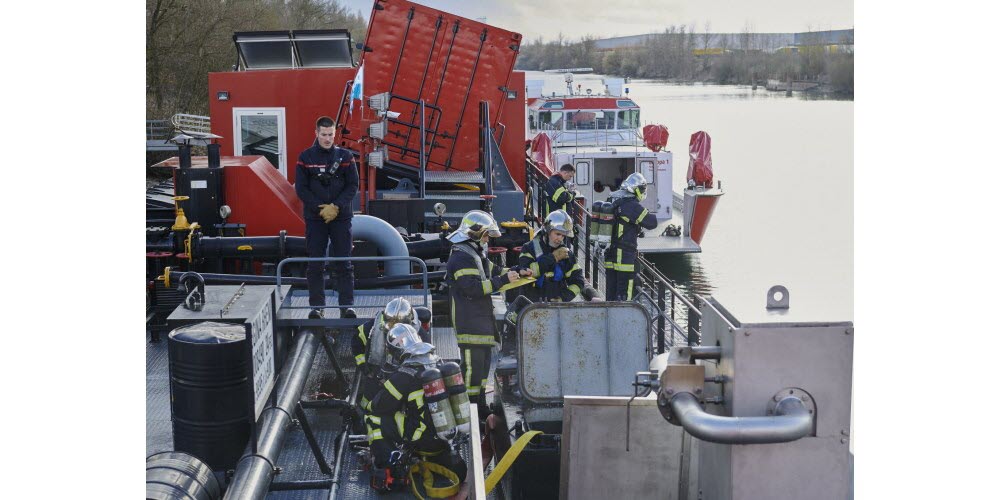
475 368
336 234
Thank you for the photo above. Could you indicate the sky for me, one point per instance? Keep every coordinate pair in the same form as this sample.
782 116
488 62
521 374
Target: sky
609 18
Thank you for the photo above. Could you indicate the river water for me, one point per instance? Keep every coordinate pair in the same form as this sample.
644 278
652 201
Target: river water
786 165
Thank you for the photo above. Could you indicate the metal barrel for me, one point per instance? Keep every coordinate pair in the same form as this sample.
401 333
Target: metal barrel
210 387
175 475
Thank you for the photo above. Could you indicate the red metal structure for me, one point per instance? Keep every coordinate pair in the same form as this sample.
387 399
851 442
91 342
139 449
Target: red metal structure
415 53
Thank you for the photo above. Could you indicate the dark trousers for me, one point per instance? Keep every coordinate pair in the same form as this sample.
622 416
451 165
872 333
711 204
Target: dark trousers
337 235
621 285
475 368
381 448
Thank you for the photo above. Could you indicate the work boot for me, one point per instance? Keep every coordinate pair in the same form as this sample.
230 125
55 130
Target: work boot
349 313
316 314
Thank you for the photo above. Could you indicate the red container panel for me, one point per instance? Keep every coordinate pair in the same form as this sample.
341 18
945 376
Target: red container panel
450 62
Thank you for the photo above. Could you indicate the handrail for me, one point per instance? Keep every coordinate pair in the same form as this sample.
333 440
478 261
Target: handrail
656 282
423 271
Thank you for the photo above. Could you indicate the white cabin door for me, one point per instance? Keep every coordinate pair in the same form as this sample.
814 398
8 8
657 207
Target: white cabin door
647 167
584 171
261 131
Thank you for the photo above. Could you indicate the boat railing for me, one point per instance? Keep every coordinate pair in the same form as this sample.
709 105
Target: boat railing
289 260
676 318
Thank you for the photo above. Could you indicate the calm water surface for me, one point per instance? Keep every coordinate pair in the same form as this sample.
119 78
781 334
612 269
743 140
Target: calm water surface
786 165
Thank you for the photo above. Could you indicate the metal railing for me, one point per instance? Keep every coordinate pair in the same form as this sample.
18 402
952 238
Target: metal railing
422 264
196 124
158 130
676 318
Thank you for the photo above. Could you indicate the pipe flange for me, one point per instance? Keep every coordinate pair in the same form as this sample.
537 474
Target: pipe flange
663 403
792 392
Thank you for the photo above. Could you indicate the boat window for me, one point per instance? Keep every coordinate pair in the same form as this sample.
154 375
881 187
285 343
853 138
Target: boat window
628 118
648 171
582 173
589 120
550 120
532 119
627 103
553 105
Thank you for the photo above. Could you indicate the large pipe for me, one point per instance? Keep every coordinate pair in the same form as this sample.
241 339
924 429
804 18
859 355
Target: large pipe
359 283
254 472
706 352
387 239
791 421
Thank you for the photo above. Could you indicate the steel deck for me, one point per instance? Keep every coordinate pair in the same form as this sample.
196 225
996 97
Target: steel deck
297 462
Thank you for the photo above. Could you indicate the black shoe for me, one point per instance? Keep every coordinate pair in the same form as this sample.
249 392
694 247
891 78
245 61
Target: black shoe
349 313
316 314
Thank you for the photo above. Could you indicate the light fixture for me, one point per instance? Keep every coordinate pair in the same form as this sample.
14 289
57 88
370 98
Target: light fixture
512 94
378 157
379 102
222 95
377 130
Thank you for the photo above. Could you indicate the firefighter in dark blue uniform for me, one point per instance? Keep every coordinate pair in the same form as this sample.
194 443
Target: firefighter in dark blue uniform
559 190
398 414
629 218
326 180
558 276
471 279
369 344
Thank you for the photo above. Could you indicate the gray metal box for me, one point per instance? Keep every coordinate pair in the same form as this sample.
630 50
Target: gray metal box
774 350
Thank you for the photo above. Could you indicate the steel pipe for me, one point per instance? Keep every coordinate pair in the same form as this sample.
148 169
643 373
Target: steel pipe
254 472
791 421
706 352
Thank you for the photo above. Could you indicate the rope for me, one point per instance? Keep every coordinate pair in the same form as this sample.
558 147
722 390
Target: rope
427 470
508 459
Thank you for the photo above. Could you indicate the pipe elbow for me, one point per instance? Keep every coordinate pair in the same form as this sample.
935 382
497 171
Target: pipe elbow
791 421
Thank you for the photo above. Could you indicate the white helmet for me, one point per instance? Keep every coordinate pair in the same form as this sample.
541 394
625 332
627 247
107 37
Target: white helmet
559 221
474 225
635 184
401 337
398 310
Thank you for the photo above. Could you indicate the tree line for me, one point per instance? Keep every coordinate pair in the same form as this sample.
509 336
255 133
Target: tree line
187 39
682 54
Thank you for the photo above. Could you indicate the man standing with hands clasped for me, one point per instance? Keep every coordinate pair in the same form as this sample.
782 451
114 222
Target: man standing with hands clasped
326 180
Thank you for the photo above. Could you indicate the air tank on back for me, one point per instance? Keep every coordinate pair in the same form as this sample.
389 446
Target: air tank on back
209 391
438 404
457 395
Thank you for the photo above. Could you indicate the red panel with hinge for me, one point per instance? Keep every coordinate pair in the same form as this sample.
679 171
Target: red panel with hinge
452 63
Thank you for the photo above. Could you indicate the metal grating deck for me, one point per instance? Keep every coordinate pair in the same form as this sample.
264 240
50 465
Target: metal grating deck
297 462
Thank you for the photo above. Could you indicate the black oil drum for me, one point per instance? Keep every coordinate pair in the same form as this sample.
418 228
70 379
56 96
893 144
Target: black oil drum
174 475
209 392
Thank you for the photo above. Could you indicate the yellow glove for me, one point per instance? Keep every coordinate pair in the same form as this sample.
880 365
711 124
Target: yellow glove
561 253
328 212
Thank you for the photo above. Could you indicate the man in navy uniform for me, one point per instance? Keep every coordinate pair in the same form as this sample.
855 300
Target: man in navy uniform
559 190
629 218
326 180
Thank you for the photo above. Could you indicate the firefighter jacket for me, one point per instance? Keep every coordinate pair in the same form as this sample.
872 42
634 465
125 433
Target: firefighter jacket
556 195
324 176
471 279
400 402
629 217
561 280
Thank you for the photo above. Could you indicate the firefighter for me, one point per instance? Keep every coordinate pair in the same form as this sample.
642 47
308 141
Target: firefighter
398 415
326 180
368 346
559 190
549 260
629 219
471 279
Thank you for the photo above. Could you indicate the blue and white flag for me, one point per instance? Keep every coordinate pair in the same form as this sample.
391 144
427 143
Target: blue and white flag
357 89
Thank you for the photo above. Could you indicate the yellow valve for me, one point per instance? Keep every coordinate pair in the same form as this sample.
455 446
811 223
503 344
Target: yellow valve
181 222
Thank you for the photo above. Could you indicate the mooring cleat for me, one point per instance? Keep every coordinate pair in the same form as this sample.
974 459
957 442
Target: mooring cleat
350 313
316 314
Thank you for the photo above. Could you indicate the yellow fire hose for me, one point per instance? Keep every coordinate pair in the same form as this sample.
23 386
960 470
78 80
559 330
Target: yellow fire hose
508 459
428 469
